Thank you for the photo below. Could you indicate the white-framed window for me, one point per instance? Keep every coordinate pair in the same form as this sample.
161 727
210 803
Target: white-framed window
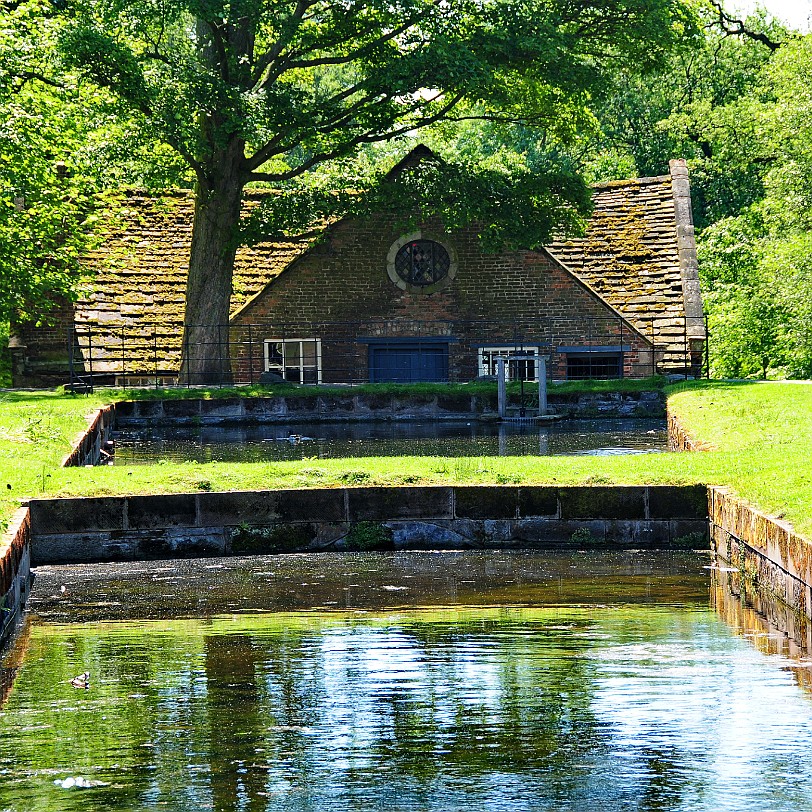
297 360
516 369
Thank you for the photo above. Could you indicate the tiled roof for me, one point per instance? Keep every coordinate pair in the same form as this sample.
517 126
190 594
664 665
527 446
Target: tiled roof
139 273
638 254
633 257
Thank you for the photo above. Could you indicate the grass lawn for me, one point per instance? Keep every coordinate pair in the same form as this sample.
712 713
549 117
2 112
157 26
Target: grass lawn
763 433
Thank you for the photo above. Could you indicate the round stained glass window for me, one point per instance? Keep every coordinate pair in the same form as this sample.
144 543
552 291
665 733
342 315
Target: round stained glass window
422 263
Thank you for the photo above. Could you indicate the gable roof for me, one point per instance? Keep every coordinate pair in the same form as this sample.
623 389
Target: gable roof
638 255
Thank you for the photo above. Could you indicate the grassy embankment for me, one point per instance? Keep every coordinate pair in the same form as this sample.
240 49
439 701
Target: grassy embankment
763 433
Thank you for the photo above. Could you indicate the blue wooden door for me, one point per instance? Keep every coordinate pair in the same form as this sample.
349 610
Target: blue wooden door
408 363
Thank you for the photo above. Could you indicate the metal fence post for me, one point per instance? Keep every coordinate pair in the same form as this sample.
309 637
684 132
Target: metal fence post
686 349
71 342
155 356
90 355
622 354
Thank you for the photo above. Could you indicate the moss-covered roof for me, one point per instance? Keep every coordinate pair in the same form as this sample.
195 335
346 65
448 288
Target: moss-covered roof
633 255
138 278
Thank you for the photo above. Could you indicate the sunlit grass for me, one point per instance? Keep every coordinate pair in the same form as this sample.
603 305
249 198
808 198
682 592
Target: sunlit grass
763 433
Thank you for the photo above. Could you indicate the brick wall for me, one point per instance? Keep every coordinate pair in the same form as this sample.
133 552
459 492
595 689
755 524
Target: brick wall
494 299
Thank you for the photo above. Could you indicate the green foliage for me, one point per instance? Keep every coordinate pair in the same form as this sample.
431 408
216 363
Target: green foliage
5 358
283 538
365 536
58 141
696 108
755 266
272 90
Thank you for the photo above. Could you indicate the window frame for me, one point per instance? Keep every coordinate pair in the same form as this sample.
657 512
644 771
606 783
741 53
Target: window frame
282 368
505 351
597 361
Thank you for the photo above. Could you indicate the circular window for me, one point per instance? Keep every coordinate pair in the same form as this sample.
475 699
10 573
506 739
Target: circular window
421 265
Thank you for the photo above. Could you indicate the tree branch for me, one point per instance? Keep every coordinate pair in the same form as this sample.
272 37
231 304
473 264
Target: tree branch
364 49
272 148
733 26
30 76
285 36
347 146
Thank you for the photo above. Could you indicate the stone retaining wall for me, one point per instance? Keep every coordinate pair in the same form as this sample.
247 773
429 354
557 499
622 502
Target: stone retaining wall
87 449
770 556
772 561
196 524
15 575
362 407
680 440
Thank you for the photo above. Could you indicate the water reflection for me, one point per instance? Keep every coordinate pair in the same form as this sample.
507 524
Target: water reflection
443 696
297 441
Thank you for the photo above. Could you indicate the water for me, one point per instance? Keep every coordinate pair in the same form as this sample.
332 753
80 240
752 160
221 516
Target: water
298 441
404 681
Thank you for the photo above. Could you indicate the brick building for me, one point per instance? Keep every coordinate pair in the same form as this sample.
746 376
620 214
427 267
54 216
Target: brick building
368 303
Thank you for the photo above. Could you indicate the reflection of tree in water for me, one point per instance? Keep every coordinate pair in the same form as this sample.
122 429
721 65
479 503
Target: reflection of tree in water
235 723
665 779
421 702
512 709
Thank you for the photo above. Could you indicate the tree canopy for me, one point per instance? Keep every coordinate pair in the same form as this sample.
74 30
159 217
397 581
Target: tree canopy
524 103
271 90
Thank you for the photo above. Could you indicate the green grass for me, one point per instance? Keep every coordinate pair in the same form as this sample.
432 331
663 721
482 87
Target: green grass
763 433
481 388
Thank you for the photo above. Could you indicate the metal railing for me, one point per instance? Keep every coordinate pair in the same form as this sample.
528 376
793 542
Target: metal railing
400 350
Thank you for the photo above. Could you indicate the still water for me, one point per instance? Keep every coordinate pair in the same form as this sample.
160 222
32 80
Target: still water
403 681
298 441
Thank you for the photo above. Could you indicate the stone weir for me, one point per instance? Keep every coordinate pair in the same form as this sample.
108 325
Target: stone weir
435 517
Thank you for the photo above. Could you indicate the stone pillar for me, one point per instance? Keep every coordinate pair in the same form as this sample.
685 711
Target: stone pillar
686 245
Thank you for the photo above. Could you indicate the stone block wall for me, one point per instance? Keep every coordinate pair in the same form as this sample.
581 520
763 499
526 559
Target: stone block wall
770 556
87 449
430 517
361 407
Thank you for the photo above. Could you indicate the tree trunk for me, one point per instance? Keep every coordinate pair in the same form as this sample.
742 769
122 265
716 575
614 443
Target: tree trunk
205 354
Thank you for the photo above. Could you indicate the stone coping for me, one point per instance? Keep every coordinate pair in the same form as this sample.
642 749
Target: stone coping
204 509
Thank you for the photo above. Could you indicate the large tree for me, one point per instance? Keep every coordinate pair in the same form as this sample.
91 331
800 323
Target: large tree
271 90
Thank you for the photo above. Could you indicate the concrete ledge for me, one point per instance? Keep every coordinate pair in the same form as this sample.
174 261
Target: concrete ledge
131 527
364 407
87 447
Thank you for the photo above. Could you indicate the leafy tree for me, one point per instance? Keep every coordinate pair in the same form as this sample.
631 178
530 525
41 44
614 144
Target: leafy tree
41 205
756 265
271 90
699 107
61 145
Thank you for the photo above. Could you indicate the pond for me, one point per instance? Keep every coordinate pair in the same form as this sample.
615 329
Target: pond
298 441
406 681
